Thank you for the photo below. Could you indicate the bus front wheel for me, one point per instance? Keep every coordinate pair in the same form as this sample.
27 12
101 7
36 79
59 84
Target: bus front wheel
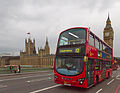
96 80
108 75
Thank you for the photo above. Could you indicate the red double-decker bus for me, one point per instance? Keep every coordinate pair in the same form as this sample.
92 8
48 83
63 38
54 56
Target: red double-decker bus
82 59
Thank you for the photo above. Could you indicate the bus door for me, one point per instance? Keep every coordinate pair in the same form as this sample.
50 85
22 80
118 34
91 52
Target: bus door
90 72
104 69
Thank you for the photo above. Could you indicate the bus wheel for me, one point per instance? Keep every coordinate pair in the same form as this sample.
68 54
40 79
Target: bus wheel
96 80
108 75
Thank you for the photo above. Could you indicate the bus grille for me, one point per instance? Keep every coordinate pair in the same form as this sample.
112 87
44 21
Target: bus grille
66 78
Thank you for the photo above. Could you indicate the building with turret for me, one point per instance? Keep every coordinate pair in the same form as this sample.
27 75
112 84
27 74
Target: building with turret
45 51
30 57
108 33
41 59
30 46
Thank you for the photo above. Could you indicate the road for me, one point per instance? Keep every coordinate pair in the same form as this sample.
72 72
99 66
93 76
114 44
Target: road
42 82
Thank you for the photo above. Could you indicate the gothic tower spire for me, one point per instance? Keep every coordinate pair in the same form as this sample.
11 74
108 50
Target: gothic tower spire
108 22
47 49
46 40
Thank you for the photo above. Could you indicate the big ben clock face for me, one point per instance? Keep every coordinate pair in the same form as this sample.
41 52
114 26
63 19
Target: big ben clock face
107 34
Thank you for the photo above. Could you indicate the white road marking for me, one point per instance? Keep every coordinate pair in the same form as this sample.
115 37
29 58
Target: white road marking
24 77
99 90
35 80
118 77
110 82
45 88
3 86
1 80
114 73
28 81
118 68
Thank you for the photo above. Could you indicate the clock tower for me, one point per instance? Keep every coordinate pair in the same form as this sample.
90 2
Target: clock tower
108 33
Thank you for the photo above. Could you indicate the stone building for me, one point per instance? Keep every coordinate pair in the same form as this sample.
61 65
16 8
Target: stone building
30 57
108 33
15 60
7 60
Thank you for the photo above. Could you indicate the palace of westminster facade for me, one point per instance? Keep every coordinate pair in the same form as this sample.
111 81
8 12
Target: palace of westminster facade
30 58
43 58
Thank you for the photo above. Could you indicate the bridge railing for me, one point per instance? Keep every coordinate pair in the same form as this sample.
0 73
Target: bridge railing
24 69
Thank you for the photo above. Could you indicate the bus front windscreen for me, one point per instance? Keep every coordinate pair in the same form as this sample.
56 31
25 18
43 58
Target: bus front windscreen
73 36
69 66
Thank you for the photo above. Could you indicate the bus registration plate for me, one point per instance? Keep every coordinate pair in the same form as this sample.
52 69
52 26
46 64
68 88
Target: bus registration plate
66 83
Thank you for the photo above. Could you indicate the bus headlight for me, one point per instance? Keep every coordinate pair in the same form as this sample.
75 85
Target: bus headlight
81 80
85 59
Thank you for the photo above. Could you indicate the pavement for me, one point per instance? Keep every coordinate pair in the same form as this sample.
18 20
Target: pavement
11 74
42 82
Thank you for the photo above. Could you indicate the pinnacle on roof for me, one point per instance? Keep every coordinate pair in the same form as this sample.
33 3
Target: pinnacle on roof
108 18
46 40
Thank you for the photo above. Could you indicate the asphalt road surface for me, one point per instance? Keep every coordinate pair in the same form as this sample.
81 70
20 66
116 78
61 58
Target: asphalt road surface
42 82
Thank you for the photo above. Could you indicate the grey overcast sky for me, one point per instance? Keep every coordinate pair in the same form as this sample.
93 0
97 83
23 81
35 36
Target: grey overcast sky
49 17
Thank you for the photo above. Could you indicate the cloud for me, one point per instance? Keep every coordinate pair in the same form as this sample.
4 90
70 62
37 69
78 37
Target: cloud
49 17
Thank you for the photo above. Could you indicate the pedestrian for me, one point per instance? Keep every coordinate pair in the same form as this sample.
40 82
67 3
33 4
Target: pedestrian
10 67
14 68
19 68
